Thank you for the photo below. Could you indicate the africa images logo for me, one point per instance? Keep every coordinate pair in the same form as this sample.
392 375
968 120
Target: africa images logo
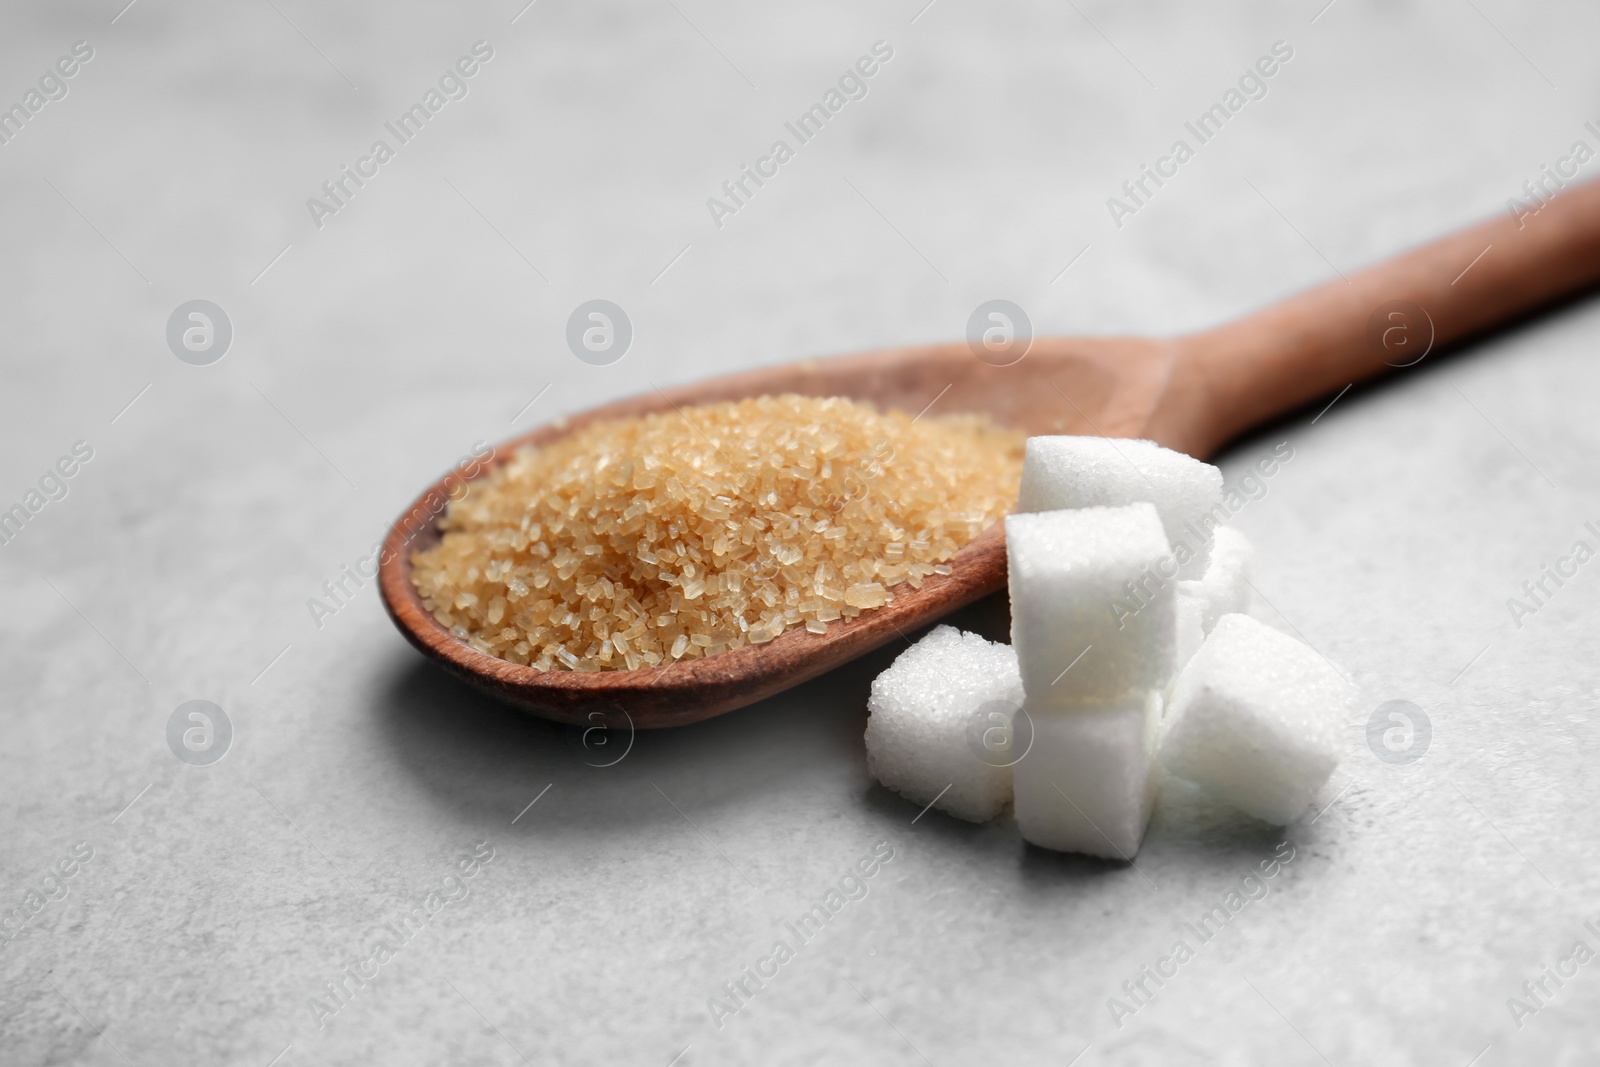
852 85
339 190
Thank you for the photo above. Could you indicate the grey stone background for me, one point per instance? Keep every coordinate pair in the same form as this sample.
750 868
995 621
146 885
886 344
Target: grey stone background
370 353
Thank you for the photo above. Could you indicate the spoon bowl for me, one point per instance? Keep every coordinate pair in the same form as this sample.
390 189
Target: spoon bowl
1066 387
1190 393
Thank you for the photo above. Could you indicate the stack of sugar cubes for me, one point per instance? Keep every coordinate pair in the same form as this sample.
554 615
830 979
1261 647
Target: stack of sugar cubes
1130 650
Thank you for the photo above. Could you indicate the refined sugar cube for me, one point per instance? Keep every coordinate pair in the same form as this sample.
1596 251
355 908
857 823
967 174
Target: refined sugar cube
1225 587
1091 619
940 723
1256 719
1087 782
1075 472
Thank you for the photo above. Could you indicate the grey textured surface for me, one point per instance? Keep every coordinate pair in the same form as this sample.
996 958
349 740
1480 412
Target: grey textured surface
220 899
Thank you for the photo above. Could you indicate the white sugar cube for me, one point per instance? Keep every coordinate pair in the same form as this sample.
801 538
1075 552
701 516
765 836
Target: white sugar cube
1256 719
1189 615
940 723
1091 619
1225 587
1087 782
1075 472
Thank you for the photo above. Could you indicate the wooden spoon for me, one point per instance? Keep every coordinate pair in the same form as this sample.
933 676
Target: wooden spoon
1190 393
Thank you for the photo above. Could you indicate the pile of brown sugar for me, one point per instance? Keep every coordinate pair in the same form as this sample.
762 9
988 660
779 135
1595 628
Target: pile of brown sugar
645 541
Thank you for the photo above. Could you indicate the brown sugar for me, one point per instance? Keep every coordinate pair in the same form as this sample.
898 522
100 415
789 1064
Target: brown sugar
645 541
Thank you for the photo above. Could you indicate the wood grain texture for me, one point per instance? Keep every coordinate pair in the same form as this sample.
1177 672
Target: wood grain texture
1192 393
1238 375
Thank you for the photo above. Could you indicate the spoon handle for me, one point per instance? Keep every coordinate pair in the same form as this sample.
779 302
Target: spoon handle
1390 314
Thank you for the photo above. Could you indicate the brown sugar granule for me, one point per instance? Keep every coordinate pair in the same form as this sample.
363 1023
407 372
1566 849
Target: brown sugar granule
643 541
